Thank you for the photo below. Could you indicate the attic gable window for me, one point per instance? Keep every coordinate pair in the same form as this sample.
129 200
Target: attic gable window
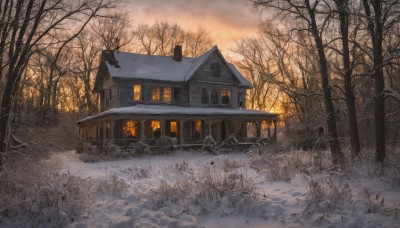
155 93
167 96
137 92
215 69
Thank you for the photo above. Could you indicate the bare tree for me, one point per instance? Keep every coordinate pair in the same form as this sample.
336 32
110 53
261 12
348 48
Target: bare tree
161 38
114 30
197 42
311 14
380 17
27 25
344 20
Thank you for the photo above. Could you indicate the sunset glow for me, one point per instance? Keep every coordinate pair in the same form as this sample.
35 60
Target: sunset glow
227 20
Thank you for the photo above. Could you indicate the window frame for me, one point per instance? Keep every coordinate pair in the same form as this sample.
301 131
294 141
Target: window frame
140 92
229 96
164 94
215 96
153 94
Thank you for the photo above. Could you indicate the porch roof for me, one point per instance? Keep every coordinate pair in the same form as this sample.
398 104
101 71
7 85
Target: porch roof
142 109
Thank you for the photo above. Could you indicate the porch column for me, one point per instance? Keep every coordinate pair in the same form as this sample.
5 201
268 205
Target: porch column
275 136
112 125
258 128
142 136
269 128
162 123
209 126
244 130
104 131
181 138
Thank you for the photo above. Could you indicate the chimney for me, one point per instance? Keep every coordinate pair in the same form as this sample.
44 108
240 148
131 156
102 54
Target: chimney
178 53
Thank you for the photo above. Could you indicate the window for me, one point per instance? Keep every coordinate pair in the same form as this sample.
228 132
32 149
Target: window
240 99
156 128
167 95
155 93
131 129
214 96
204 96
173 127
215 69
177 95
226 94
197 125
137 92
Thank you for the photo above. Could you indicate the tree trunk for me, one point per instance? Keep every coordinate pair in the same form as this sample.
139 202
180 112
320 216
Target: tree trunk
376 29
336 152
351 107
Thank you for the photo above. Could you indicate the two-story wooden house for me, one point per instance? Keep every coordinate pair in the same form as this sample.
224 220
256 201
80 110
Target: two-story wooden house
143 97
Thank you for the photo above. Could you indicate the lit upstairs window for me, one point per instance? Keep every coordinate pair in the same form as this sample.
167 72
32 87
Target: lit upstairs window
167 96
226 96
155 93
137 92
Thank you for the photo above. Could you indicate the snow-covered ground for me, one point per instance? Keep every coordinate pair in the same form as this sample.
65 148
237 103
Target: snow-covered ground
194 189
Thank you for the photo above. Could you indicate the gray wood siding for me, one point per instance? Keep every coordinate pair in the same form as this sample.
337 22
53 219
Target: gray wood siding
196 96
125 88
205 73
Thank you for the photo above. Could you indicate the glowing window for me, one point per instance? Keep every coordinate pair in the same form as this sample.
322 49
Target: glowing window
155 93
167 95
226 94
137 92
174 127
197 126
130 129
155 125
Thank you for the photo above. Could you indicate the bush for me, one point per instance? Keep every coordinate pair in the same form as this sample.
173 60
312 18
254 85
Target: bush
35 194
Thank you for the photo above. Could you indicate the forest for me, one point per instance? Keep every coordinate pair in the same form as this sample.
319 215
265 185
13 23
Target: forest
331 69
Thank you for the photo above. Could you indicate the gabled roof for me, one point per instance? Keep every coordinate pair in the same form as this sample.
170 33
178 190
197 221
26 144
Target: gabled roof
156 67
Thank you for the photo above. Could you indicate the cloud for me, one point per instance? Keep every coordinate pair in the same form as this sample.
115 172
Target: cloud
226 20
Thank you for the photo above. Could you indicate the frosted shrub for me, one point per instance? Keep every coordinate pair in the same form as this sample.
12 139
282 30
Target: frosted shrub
229 165
327 194
138 172
35 196
208 189
282 167
111 185
209 144
166 144
228 145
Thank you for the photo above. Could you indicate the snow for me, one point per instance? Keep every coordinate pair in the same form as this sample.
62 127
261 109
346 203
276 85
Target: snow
142 109
164 68
275 204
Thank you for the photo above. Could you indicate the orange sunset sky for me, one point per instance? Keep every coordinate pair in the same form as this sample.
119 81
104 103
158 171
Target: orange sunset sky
226 20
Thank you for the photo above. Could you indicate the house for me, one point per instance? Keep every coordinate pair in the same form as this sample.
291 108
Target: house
143 97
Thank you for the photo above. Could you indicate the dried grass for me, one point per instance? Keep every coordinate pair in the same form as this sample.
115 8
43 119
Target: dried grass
36 194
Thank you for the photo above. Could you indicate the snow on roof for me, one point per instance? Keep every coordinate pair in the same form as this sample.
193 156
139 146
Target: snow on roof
156 67
239 76
178 110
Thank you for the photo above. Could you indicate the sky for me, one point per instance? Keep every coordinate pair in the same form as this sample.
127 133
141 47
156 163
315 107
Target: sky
226 20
